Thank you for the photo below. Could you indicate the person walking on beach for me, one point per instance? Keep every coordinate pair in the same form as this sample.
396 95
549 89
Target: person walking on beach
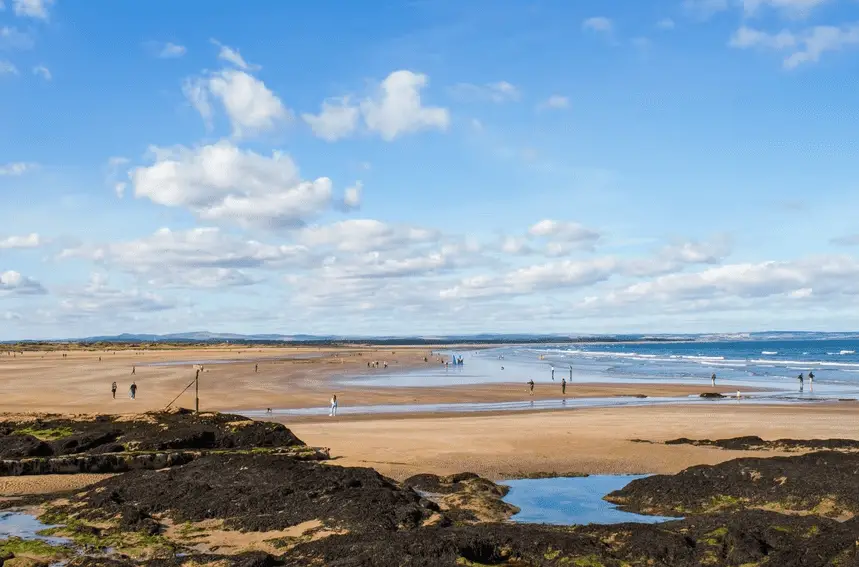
133 369
563 387
133 390
113 390
713 379
571 373
530 387
553 373
256 367
333 411
811 378
801 379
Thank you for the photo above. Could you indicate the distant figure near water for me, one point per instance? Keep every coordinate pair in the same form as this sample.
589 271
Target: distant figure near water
571 373
133 391
333 411
563 386
801 379
713 379
133 369
256 367
553 373
113 390
811 378
530 387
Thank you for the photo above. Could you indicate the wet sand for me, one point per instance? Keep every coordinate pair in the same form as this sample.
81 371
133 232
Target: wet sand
292 377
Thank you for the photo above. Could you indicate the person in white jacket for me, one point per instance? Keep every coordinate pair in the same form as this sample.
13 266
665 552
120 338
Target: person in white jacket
333 412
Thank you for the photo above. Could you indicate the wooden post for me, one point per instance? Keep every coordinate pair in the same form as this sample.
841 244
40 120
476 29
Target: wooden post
197 392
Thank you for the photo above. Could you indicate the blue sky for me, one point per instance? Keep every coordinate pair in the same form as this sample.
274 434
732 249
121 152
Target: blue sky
428 167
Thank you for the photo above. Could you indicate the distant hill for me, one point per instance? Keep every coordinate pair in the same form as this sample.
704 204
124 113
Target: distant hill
479 338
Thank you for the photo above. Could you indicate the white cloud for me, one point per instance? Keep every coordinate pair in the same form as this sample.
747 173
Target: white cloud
6 68
352 196
12 38
850 240
791 8
250 106
223 182
598 24
42 71
112 171
704 9
665 24
826 275
171 51
552 275
231 55
500 91
200 257
563 231
13 283
16 168
337 119
806 46
29 241
32 8
555 102
99 298
397 109
365 235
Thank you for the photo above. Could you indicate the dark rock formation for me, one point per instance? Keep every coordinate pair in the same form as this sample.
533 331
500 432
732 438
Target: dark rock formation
824 483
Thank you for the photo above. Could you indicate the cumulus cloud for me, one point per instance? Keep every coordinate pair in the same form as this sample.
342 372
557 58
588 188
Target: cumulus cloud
337 119
397 109
42 71
32 8
818 276
791 8
704 9
97 297
13 283
598 24
223 182
394 108
352 196
563 231
15 169
13 38
29 241
171 51
806 46
556 102
500 91
250 106
232 56
364 235
7 68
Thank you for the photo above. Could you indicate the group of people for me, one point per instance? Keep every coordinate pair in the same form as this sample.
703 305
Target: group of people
563 386
801 379
375 363
132 390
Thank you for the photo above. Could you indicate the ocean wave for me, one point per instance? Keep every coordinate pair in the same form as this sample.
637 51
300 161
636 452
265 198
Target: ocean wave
841 353
769 352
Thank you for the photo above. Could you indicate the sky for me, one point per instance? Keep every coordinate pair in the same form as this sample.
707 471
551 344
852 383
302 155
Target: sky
428 167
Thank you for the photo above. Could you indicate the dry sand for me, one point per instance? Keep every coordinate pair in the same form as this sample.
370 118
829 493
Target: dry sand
595 440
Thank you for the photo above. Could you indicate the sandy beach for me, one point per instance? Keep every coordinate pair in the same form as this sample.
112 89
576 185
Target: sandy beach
498 445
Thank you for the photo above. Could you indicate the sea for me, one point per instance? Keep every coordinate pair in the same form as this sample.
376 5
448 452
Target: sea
738 364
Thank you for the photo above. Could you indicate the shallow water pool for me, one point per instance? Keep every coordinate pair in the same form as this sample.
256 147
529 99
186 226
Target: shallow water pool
25 526
568 501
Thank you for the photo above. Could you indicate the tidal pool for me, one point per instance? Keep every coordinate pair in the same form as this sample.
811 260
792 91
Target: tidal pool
568 501
25 526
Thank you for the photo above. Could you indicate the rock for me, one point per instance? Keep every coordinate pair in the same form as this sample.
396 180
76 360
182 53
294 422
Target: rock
21 446
256 493
712 395
824 483
25 562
